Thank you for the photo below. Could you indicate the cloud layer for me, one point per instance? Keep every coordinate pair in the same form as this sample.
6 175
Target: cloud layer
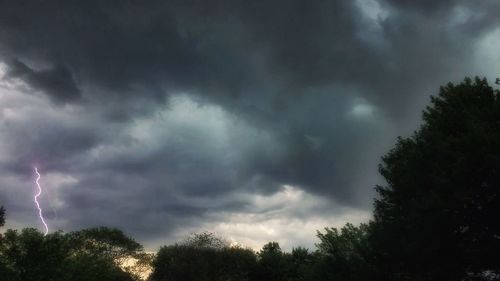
168 117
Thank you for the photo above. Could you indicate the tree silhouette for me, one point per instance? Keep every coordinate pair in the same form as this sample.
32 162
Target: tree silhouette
88 255
2 216
437 217
345 254
203 257
273 263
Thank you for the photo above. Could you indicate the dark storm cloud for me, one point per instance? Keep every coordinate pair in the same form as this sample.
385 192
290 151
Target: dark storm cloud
424 5
301 93
56 81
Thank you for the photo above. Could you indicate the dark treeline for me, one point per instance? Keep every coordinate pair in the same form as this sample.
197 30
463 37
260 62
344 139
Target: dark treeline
435 219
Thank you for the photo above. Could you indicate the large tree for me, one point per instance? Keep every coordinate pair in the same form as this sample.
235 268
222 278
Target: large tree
437 216
93 254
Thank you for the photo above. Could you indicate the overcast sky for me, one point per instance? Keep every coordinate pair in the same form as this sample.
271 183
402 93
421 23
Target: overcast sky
258 120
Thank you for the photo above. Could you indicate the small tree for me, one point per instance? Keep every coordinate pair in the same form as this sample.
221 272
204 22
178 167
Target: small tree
203 256
273 263
2 216
206 240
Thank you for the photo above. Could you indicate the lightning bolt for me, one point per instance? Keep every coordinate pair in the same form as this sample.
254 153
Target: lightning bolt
40 214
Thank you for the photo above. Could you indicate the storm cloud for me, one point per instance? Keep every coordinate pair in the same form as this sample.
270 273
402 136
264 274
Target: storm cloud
165 117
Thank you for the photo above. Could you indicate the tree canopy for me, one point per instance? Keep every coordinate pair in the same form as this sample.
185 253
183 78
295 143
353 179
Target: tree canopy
437 217
93 254
203 256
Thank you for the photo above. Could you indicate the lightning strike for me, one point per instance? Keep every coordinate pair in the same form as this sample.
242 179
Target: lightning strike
40 214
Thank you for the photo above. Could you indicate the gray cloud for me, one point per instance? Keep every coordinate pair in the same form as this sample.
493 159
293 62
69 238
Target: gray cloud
57 81
162 116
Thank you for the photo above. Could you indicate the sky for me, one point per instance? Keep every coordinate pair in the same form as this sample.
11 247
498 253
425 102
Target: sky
256 120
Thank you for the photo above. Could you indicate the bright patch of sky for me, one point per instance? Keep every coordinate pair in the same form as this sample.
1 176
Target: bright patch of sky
488 55
373 14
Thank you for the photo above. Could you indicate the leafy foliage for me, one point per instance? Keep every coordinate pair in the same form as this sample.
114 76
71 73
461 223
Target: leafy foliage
87 255
437 218
203 257
273 264
206 240
345 254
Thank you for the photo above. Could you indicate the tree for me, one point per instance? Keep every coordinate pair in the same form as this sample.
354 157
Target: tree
236 264
437 216
2 216
6 270
112 246
87 255
203 257
345 254
31 256
273 263
206 240
302 265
